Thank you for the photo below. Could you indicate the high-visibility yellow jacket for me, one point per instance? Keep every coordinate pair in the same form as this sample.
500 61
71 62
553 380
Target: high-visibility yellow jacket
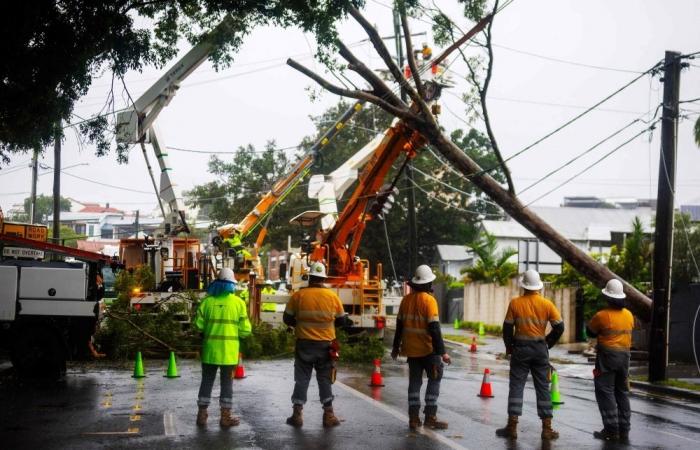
416 311
315 310
530 314
223 320
613 328
269 307
243 295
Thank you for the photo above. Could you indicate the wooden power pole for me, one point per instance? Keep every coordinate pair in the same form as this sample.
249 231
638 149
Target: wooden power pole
56 232
663 234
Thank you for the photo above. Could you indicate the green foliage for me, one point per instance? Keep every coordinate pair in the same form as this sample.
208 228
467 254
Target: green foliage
44 207
491 267
268 342
58 48
686 250
633 262
67 236
569 277
360 348
696 132
474 326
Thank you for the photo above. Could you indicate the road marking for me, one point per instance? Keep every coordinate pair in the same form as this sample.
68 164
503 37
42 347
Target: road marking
169 423
676 435
130 431
402 417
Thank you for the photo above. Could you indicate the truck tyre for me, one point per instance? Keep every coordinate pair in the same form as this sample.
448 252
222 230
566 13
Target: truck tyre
37 352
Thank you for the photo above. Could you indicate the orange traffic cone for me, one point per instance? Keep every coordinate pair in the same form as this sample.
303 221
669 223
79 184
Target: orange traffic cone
376 380
240 370
472 348
486 385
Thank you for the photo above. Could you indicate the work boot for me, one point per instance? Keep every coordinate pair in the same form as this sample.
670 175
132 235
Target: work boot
548 432
329 419
202 416
432 422
227 420
296 419
624 435
606 435
414 421
510 431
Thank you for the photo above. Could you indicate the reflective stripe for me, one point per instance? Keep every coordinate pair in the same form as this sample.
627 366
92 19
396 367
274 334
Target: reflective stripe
226 321
535 320
556 322
614 348
415 330
340 314
309 324
315 314
524 337
434 319
614 332
219 337
509 322
416 318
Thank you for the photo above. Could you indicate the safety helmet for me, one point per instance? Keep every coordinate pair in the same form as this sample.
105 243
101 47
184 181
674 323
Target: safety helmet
268 282
530 280
226 274
423 275
318 270
614 289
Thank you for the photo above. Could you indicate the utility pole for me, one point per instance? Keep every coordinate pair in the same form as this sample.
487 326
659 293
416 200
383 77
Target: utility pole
56 234
663 234
410 188
136 224
35 176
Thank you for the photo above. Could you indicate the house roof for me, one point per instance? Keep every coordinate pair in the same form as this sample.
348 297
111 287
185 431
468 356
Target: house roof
96 208
454 252
576 224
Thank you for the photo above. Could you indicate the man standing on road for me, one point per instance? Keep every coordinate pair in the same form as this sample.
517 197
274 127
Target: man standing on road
613 328
314 312
418 337
222 318
524 336
268 290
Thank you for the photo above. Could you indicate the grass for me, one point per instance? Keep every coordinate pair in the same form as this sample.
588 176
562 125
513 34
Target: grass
462 339
670 382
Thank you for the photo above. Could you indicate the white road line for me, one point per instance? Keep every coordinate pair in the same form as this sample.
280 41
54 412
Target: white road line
402 417
169 423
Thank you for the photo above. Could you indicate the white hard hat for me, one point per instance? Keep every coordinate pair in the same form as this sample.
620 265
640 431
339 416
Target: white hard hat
423 275
226 274
317 269
268 281
614 289
530 280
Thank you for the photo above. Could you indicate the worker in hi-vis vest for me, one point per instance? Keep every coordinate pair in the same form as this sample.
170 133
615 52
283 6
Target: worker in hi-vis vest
524 336
613 328
223 320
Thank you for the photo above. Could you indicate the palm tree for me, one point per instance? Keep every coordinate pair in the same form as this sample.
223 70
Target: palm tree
491 267
697 132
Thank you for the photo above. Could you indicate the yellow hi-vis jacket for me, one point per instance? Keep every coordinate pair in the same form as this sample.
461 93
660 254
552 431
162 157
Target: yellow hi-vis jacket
416 311
315 310
223 320
613 328
269 307
530 314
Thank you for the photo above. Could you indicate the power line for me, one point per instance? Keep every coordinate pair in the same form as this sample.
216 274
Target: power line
651 127
108 185
229 152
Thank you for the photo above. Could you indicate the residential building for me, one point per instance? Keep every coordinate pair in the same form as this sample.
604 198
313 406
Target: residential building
451 259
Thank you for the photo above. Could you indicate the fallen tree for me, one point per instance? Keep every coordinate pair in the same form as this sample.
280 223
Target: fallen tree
418 116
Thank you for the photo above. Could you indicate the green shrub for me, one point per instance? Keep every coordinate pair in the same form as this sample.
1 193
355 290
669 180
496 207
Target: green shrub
360 348
268 342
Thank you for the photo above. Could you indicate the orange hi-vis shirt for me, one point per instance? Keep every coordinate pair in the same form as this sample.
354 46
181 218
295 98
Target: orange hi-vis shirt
315 309
417 310
530 314
614 328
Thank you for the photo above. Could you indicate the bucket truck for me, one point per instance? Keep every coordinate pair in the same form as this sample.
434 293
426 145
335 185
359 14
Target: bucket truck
174 260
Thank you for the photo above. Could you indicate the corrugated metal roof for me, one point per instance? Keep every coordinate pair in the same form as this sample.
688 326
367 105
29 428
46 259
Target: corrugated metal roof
454 252
576 224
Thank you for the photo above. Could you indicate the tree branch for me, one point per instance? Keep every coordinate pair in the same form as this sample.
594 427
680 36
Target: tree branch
409 51
359 95
384 54
484 108
380 88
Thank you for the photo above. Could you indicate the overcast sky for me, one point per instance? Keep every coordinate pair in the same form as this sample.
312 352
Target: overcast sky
540 81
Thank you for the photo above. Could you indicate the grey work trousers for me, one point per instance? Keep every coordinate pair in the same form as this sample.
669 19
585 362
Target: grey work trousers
433 367
208 377
529 357
310 355
611 379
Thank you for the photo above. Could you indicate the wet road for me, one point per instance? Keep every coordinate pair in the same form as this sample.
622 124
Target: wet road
106 408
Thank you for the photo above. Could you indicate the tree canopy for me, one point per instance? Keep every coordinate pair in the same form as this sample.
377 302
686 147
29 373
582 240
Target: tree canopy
44 208
53 50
